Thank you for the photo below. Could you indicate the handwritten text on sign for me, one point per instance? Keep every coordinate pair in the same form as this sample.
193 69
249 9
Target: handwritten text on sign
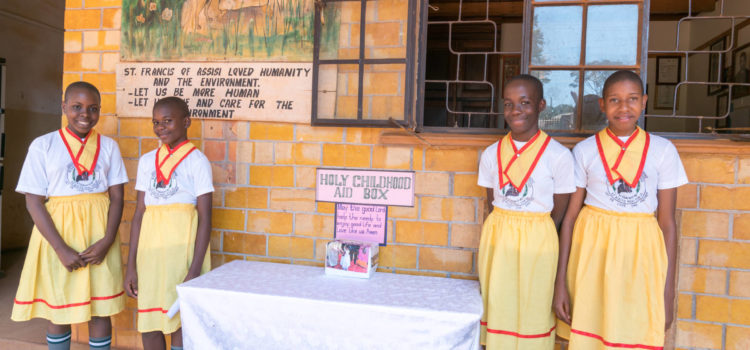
365 187
244 91
364 223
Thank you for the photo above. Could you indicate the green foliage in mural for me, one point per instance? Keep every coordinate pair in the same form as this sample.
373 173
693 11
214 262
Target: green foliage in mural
155 30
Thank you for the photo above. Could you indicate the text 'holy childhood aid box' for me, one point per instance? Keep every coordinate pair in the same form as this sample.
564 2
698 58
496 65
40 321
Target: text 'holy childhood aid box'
351 258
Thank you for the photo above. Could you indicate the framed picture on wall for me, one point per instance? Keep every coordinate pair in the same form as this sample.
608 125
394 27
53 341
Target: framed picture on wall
511 68
668 70
664 98
740 71
715 61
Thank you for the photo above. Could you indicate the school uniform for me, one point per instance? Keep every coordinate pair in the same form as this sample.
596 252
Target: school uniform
618 261
518 250
171 181
74 175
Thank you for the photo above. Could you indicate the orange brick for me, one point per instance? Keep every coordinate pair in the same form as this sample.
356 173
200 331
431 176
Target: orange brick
688 251
346 155
391 157
131 165
246 197
111 18
384 34
418 159
402 212
271 131
326 208
739 311
709 308
109 107
451 159
307 133
216 241
103 3
313 225
124 339
432 183
228 219
723 197
701 280
738 338
699 335
269 222
687 196
305 177
124 320
441 259
384 107
73 4
725 254
83 19
279 246
741 227
292 199
465 236
107 125
103 82
73 41
705 224
215 151
739 284
387 52
466 185
281 176
136 127
244 243
69 78
128 147
362 135
448 209
298 153
709 168
743 171
148 145
419 232
684 305
398 256
72 61
302 248
320 249
101 40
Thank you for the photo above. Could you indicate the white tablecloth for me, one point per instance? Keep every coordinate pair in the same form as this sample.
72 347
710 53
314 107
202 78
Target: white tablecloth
255 305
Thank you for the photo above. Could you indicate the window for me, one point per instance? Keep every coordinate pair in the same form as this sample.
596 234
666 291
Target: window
362 66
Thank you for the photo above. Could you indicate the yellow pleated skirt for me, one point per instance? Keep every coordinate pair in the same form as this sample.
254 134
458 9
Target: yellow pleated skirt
517 264
165 252
47 290
616 276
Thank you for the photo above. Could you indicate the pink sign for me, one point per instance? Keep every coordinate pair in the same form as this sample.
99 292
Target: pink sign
365 187
363 223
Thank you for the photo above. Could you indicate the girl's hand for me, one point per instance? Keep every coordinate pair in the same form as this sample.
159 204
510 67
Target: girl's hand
70 258
561 303
97 251
131 283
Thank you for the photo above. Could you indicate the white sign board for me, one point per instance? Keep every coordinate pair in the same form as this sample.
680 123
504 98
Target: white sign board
280 92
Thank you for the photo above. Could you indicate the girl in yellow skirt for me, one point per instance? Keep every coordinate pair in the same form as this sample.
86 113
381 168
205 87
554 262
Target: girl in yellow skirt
73 181
617 258
171 225
529 178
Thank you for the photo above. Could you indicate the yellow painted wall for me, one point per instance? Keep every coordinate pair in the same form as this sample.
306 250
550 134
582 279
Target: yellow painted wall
264 206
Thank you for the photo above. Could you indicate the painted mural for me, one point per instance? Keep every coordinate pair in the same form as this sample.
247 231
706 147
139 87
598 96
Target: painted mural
233 30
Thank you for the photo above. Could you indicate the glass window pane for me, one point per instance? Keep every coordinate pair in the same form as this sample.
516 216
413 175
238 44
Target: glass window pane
593 119
561 94
339 37
612 35
385 29
337 91
556 37
383 91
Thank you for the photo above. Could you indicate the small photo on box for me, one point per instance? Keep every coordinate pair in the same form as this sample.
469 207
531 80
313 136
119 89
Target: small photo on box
350 256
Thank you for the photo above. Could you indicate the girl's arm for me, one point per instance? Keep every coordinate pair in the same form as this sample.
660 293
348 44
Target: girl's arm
561 301
131 274
488 204
43 221
665 215
95 253
559 205
202 236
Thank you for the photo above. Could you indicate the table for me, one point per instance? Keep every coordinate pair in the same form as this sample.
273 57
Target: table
257 305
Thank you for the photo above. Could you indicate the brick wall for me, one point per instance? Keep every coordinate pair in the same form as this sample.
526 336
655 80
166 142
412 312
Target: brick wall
264 206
